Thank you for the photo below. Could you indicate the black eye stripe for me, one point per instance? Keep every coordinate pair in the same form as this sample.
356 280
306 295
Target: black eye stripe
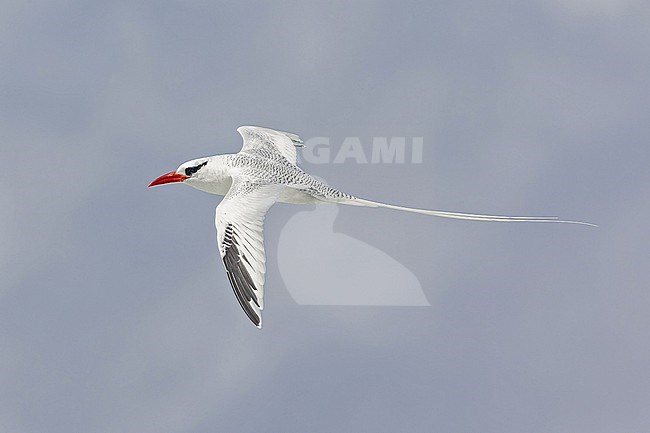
189 171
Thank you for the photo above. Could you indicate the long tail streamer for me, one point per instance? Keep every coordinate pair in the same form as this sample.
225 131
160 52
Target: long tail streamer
468 216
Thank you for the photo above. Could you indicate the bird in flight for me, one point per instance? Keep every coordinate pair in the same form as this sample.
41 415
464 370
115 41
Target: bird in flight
251 181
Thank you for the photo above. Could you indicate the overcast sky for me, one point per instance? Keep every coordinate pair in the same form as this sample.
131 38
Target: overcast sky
115 311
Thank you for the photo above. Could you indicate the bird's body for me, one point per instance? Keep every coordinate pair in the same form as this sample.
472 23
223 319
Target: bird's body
251 181
298 187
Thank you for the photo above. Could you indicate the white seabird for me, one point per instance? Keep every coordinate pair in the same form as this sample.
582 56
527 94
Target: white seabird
262 173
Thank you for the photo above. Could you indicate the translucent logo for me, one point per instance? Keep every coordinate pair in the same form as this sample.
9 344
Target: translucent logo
321 267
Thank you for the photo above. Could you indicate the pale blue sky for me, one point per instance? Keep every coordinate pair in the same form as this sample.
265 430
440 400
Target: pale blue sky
116 314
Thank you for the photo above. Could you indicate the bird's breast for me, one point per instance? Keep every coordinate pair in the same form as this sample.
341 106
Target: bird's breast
219 187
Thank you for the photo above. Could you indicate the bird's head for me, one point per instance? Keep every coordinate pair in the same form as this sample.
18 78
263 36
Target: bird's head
191 172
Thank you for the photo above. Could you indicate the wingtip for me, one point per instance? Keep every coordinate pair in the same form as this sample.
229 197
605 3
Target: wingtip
258 322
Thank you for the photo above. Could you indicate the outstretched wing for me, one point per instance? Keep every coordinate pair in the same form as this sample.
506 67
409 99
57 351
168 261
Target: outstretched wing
256 137
239 221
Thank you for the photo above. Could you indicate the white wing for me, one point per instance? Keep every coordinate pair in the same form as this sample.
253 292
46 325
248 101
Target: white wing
239 221
256 137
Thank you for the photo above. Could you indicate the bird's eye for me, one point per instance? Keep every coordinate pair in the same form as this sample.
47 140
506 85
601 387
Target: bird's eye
189 171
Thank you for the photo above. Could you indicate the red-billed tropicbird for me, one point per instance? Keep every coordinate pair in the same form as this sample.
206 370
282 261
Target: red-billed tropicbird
262 173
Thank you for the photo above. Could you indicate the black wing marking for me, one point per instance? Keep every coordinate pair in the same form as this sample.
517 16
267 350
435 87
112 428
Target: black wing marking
240 280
